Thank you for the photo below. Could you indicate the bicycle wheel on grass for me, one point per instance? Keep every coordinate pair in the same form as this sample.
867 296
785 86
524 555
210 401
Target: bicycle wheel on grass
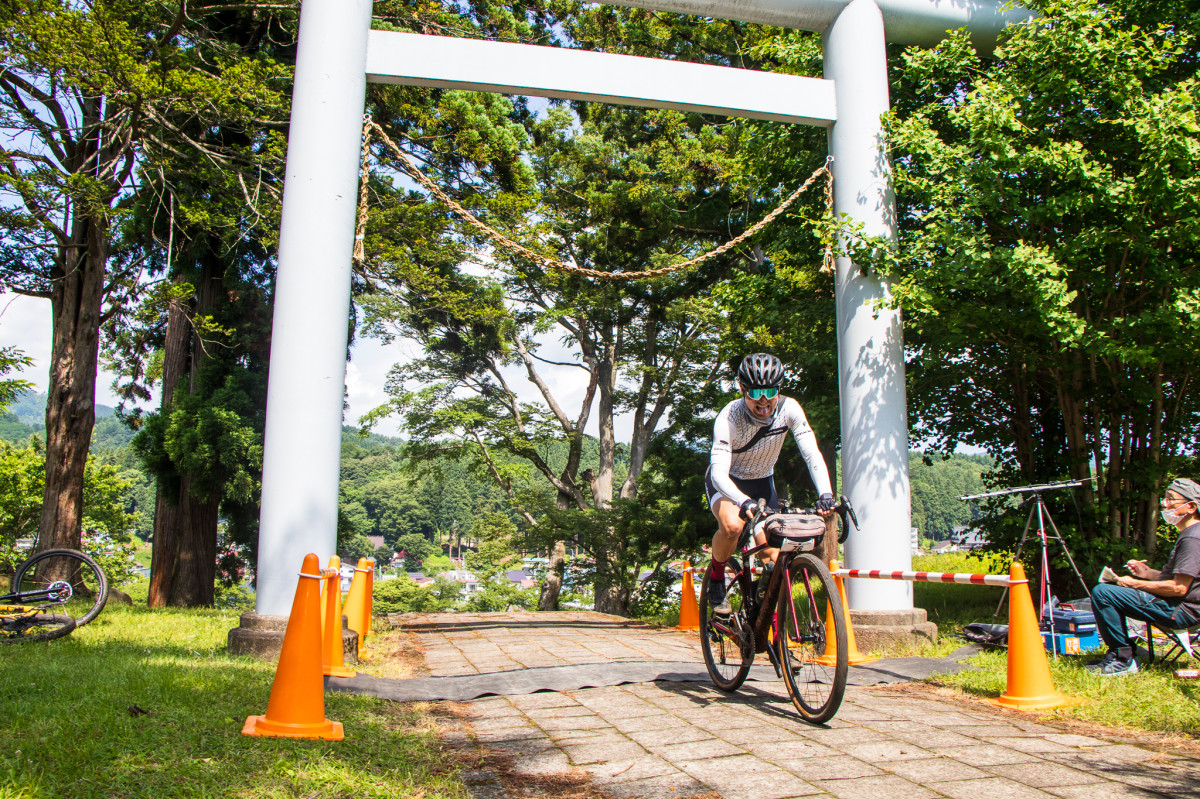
727 641
814 658
89 586
35 627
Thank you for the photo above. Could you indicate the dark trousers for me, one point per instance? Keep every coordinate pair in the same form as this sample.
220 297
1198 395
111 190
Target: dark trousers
1113 604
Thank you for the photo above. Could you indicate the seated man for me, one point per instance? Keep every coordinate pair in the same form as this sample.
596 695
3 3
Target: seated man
747 439
1169 598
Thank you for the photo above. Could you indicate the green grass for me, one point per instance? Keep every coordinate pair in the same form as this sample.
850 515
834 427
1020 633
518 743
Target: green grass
75 726
1153 699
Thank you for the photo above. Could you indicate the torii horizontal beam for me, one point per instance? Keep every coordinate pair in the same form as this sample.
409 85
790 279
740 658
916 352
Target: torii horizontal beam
446 62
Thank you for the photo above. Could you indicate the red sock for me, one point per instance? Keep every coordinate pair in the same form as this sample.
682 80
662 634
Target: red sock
717 569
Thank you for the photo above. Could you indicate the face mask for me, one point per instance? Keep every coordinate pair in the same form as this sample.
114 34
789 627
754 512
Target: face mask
1172 516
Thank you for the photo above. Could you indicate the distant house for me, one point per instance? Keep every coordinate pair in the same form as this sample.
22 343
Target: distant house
347 571
470 583
968 538
942 547
521 578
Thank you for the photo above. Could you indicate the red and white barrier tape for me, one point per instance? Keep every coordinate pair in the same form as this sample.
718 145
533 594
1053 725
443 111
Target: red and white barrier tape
1001 580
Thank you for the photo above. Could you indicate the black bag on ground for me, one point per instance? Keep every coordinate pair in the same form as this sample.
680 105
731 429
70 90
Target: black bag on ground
988 635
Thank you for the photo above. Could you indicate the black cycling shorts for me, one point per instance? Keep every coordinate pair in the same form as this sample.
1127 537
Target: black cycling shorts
760 488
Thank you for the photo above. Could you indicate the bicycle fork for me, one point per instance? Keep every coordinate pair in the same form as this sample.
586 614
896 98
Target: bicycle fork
776 625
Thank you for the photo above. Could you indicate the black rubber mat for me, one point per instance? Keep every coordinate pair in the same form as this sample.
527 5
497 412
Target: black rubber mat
621 672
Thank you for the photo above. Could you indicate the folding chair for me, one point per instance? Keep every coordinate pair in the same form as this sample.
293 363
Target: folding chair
1181 642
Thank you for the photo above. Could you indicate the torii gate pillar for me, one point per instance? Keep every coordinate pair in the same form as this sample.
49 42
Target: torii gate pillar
870 344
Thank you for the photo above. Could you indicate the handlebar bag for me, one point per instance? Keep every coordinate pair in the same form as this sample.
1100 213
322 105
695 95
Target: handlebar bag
793 531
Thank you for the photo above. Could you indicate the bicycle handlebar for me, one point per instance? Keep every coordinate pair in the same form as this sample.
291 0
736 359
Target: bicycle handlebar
843 509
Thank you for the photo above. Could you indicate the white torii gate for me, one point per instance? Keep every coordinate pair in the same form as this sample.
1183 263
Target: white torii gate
338 53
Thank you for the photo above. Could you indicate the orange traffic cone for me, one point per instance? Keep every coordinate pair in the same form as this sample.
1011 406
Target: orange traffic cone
1029 684
829 658
296 708
357 610
689 613
333 661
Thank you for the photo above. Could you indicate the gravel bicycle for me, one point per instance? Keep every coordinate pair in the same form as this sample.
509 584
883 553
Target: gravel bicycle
796 617
50 594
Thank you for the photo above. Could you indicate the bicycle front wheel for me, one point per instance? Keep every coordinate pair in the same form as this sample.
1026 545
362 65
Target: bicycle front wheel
814 656
35 627
89 586
727 641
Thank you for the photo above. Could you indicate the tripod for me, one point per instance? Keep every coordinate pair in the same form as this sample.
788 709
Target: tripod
1038 507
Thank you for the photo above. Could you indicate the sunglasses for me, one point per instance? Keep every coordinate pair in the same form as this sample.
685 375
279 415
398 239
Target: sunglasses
760 393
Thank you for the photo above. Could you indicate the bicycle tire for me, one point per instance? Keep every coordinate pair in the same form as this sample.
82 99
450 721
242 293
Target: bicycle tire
88 584
815 676
727 641
38 627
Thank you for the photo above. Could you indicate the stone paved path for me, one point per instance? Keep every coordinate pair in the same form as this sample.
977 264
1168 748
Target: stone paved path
664 739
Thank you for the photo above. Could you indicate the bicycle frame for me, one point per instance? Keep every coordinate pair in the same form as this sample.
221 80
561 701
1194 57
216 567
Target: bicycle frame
762 620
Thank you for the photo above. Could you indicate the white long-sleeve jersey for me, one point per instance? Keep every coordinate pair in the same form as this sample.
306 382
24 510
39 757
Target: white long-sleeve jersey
736 426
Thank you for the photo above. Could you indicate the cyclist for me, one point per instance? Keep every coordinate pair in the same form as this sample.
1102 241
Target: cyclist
747 439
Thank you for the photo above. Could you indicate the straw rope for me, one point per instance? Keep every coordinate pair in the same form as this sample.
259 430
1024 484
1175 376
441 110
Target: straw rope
370 127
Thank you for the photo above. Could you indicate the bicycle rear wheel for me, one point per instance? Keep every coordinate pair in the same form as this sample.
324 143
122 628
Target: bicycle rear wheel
813 656
727 641
89 586
35 627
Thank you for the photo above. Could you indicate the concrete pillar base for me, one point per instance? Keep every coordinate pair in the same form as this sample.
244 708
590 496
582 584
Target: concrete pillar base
262 637
875 628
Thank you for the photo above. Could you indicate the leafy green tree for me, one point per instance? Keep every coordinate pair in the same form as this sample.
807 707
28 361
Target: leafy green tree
416 549
498 594
22 477
12 359
99 101
497 537
108 528
403 595
1047 264
354 547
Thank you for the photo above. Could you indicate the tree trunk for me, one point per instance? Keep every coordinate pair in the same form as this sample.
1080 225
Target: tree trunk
552 585
196 564
71 402
612 595
167 508
183 565
196 559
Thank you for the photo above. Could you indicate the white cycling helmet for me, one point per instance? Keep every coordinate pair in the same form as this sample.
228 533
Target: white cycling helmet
760 370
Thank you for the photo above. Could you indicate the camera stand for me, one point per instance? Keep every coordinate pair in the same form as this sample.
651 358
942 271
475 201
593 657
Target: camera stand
1038 508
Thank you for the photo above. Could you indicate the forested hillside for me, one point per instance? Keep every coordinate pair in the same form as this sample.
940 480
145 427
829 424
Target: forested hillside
936 487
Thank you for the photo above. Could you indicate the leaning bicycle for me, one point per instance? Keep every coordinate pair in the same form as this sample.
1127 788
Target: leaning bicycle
796 617
50 594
